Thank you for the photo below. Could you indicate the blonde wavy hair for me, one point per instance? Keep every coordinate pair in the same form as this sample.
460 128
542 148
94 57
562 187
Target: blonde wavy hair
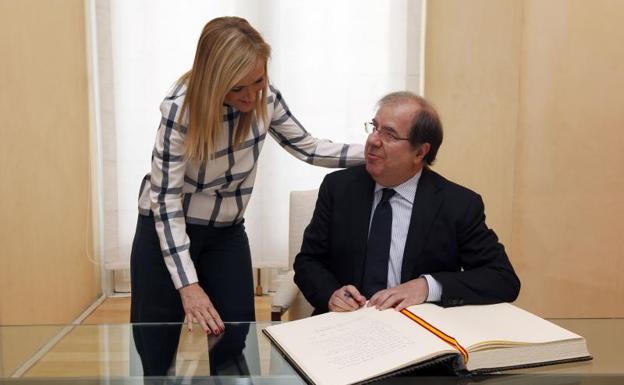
228 49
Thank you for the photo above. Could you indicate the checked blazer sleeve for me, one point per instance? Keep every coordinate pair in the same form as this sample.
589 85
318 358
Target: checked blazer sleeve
291 135
166 195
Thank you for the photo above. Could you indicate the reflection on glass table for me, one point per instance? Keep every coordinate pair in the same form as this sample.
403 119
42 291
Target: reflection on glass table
169 353
123 350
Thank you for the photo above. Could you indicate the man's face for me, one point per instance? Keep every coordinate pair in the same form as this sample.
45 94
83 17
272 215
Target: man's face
391 161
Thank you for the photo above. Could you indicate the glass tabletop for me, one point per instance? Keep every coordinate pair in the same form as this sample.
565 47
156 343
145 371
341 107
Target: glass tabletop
138 350
169 353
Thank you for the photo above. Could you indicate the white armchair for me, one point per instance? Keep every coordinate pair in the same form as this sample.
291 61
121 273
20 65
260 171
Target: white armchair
287 296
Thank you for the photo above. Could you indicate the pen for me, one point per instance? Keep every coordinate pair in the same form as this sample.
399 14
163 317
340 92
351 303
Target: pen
348 295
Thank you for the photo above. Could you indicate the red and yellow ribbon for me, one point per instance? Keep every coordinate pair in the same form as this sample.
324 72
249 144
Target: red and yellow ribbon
438 333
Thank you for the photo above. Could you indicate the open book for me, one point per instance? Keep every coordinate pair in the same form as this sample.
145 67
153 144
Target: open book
367 344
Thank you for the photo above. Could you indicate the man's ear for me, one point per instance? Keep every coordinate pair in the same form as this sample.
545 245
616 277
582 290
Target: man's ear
423 150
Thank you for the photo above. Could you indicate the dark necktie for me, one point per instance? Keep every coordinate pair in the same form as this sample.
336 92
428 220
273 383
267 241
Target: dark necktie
378 247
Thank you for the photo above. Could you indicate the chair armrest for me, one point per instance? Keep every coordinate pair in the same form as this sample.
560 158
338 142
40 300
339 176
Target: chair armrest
284 296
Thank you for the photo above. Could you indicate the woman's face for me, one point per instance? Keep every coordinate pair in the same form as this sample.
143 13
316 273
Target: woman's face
244 94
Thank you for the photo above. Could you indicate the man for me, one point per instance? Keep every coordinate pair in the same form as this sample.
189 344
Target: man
396 233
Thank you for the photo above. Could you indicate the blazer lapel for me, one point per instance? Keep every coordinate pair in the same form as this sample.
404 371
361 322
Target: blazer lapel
427 203
361 200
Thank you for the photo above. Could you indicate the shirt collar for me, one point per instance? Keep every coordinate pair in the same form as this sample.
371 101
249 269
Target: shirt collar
406 189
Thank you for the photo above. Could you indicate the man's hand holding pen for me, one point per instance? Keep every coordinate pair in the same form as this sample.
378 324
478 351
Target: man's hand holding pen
347 298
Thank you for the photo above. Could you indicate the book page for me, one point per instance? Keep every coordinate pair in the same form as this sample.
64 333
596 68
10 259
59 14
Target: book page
471 325
343 348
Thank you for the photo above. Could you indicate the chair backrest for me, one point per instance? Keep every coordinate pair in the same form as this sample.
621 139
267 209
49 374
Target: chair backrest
302 205
301 209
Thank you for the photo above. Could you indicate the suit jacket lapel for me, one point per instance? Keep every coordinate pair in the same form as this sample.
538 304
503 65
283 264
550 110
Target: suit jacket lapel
361 200
427 203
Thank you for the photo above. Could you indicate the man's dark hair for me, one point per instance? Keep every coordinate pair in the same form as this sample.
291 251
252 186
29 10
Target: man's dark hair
426 127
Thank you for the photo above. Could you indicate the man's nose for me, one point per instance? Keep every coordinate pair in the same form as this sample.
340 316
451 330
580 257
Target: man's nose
374 139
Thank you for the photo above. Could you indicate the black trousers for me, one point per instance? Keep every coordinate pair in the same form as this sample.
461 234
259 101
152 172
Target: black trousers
222 260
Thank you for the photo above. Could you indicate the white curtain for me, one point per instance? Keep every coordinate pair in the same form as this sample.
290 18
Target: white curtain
331 59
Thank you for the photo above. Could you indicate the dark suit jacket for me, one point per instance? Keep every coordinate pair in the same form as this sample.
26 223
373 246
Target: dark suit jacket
447 238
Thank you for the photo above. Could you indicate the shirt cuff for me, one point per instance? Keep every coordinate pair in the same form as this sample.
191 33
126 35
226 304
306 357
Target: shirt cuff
190 275
435 289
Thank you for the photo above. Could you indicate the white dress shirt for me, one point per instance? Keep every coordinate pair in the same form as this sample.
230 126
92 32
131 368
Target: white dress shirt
402 203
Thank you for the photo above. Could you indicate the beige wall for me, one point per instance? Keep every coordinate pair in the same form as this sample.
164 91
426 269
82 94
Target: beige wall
470 71
45 272
529 92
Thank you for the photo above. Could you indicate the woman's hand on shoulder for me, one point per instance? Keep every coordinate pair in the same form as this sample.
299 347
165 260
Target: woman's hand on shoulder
198 308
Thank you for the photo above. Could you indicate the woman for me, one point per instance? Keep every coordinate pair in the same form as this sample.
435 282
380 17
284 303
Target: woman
190 255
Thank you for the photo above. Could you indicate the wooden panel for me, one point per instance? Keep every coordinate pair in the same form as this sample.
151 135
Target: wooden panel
45 273
530 96
471 76
568 209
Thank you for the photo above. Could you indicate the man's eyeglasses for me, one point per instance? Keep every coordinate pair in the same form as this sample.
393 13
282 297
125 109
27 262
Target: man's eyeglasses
386 135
